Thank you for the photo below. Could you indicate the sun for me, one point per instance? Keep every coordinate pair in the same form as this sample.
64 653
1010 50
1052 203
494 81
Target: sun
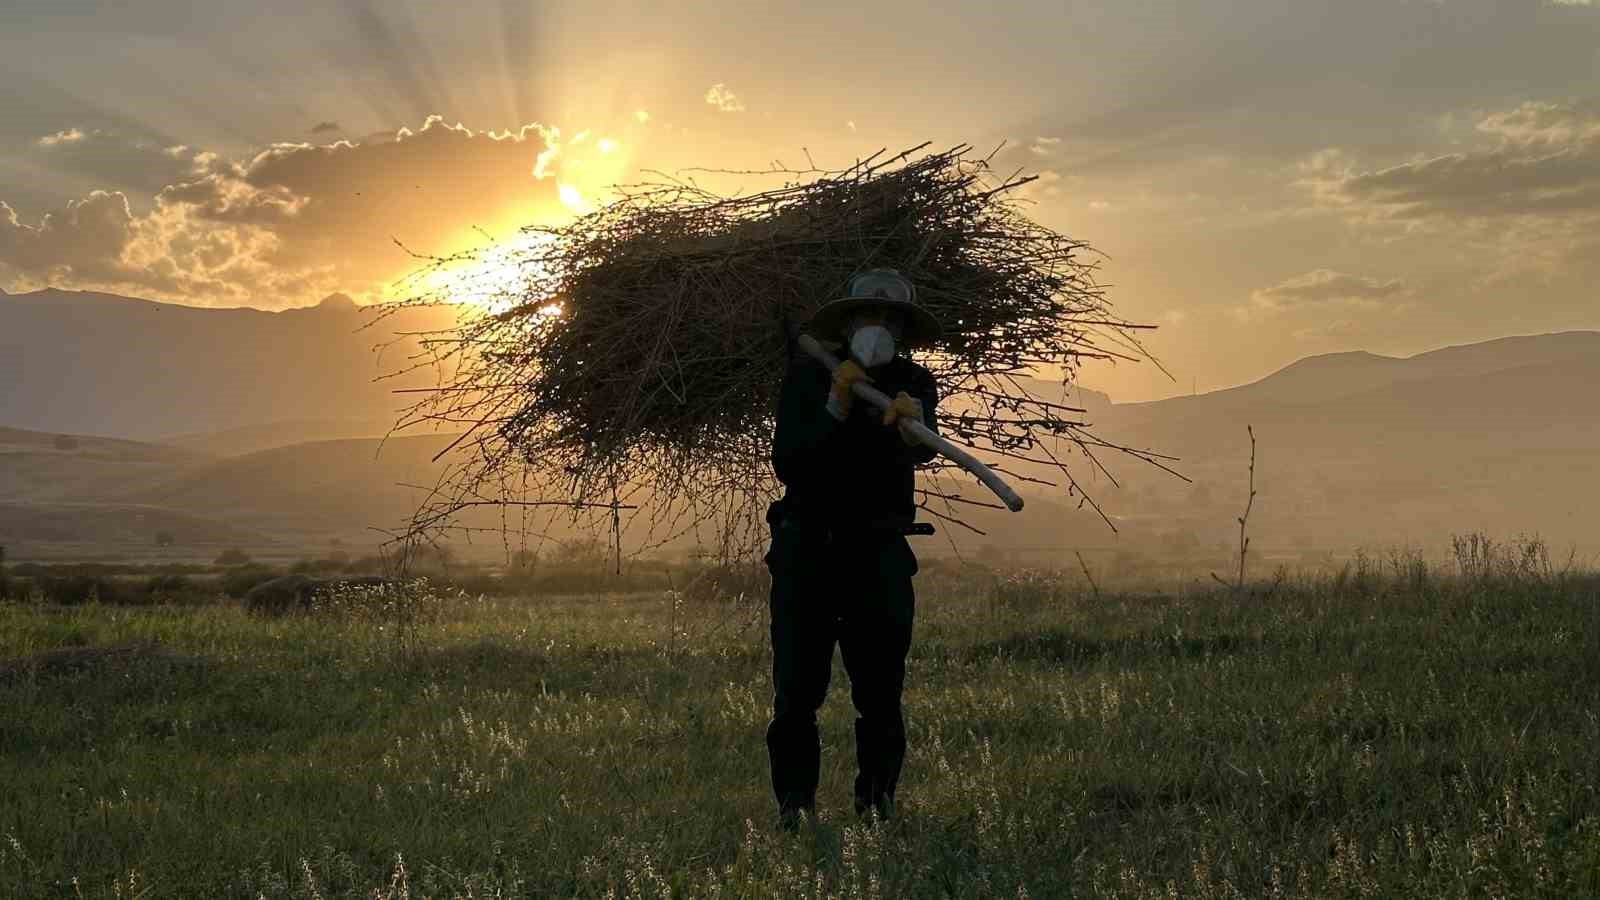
510 273
495 278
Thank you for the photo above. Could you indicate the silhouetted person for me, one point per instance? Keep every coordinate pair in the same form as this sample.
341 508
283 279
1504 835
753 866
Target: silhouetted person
841 565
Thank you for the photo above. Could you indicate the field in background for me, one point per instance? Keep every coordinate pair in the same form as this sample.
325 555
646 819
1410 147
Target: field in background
1389 728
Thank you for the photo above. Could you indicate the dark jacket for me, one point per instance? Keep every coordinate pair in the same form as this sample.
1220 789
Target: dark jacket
851 473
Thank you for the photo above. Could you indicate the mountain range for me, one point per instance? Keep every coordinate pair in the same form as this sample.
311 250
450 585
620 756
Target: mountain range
239 427
88 363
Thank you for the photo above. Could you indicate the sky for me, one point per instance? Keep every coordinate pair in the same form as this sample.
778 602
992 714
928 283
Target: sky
1265 179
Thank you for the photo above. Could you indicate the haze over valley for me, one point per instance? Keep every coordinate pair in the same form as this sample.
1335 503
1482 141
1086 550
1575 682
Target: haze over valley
267 431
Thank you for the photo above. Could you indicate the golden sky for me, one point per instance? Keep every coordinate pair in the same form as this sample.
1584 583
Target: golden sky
1269 178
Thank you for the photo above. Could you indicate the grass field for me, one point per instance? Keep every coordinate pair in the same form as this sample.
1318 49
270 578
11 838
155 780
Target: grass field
1387 732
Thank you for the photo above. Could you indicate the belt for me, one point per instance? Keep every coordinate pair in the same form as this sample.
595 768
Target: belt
896 525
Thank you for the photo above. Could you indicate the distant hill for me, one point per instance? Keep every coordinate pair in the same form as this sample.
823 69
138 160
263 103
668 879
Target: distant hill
1360 449
89 363
57 494
254 438
337 488
62 494
1318 379
38 467
269 422
94 531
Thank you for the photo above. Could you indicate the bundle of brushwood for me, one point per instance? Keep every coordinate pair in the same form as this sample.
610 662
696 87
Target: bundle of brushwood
628 378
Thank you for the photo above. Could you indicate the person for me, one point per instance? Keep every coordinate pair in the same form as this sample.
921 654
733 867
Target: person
840 562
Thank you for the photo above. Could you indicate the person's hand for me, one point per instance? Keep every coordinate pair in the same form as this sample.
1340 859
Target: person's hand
904 406
847 374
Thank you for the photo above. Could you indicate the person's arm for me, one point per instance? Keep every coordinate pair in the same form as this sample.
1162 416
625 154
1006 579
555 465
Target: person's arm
927 391
806 432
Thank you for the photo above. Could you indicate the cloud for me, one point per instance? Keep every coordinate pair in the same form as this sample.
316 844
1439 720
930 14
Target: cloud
325 127
67 136
723 99
294 221
98 241
1044 146
1545 164
136 164
1326 287
1521 204
1046 183
92 231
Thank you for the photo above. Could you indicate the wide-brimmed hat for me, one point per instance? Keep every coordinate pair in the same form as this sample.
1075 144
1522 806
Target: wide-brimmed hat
883 289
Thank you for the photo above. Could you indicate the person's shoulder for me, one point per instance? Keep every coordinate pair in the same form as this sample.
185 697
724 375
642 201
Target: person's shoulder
803 365
912 371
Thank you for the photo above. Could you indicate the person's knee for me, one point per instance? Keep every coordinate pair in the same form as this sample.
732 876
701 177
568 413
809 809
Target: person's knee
798 706
881 707
790 714
800 687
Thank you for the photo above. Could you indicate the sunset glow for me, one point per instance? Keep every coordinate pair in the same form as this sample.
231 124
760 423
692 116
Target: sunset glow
495 278
572 198
1335 205
892 449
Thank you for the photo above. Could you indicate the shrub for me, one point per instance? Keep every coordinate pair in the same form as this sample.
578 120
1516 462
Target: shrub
366 565
300 593
238 582
72 590
280 595
233 556
722 582
174 589
1480 558
103 569
1029 590
395 609
319 566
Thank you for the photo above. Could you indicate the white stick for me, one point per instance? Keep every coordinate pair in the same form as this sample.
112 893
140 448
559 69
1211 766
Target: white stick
919 432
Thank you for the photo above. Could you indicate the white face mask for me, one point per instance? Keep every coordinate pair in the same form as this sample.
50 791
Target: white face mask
872 345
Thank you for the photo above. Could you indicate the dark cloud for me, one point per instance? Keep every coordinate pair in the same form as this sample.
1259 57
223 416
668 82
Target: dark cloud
135 164
223 197
353 200
1546 164
86 237
292 221
325 127
1325 286
99 242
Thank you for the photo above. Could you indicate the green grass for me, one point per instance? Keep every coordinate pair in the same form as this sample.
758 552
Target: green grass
1366 736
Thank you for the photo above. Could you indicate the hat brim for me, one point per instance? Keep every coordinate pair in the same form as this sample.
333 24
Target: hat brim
921 328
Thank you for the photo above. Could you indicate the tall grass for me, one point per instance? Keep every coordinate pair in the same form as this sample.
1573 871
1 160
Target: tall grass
1393 729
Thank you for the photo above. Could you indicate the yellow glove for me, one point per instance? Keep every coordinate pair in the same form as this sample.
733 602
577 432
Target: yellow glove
848 373
904 406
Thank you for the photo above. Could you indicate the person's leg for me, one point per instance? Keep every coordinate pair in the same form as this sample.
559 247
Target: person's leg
802 660
875 638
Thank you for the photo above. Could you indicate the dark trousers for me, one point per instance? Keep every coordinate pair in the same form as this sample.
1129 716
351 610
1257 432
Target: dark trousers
855 592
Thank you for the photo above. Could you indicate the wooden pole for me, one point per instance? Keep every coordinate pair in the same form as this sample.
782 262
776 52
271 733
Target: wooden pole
919 432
